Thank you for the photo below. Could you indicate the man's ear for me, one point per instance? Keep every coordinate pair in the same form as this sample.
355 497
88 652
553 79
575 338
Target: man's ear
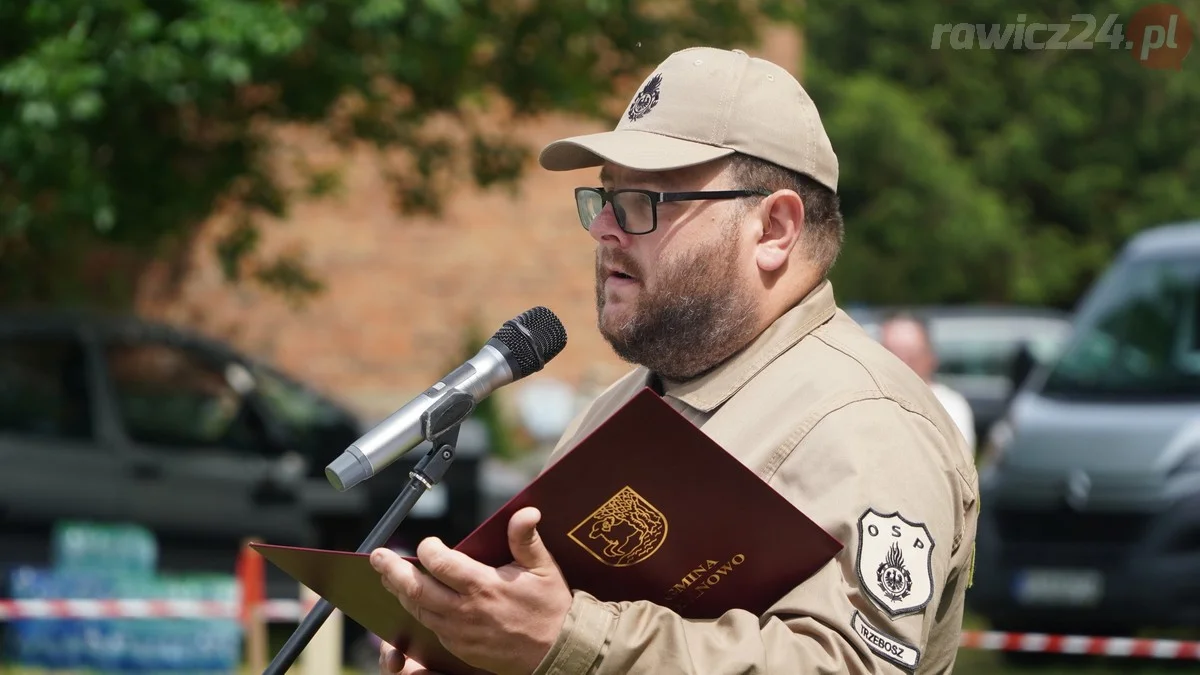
782 218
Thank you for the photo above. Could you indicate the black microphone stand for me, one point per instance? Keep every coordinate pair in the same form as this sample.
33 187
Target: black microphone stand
440 425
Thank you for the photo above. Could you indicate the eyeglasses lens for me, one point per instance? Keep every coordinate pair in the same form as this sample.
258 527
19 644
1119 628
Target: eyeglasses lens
633 210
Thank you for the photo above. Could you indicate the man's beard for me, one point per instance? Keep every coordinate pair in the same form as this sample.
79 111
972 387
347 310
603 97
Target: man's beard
697 316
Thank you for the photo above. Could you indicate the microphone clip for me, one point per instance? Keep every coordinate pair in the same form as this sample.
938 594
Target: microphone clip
446 414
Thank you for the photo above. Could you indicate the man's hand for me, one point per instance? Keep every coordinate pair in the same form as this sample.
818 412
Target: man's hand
392 662
503 620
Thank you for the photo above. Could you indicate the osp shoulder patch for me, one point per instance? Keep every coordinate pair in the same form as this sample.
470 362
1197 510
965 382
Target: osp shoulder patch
888 647
895 562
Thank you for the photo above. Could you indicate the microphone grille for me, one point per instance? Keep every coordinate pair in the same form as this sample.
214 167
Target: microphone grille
534 337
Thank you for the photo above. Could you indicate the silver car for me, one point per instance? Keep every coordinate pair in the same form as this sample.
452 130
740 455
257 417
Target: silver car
1090 519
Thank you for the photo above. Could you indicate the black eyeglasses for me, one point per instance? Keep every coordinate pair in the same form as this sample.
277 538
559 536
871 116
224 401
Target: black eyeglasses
637 210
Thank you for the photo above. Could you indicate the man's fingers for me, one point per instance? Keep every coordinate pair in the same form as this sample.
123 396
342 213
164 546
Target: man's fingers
456 570
391 661
416 591
395 661
413 668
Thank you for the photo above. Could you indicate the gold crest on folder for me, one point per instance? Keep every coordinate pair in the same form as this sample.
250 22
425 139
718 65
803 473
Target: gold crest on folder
624 531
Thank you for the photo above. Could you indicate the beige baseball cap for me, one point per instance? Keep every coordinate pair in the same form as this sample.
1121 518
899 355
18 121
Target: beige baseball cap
702 104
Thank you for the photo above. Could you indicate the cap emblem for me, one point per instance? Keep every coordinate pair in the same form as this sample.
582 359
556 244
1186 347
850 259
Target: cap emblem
645 100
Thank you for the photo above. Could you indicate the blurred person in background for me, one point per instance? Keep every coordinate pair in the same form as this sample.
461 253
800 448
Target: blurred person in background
716 220
907 336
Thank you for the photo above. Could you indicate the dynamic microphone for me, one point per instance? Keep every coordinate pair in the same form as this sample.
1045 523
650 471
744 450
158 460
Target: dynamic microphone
521 347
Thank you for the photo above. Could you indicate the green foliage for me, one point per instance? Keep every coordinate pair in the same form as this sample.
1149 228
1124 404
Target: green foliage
967 174
1007 175
126 123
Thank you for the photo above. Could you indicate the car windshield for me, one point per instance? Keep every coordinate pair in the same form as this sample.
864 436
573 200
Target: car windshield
985 346
1138 338
317 427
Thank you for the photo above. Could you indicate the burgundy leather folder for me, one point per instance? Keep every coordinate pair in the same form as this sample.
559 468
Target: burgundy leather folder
646 507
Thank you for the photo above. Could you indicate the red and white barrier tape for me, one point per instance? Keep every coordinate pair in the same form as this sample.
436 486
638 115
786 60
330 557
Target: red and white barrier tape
1081 644
294 610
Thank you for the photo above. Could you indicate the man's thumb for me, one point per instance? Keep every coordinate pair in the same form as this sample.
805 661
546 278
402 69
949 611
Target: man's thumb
526 544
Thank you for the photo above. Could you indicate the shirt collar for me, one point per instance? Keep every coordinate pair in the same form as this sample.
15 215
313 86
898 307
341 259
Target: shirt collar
715 387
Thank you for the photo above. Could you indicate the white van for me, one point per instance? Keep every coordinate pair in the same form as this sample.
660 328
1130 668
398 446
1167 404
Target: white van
1090 518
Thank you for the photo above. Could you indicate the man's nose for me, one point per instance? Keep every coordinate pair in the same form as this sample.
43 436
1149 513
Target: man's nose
606 231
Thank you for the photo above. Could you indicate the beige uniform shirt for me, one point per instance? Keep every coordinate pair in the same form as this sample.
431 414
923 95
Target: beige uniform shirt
860 444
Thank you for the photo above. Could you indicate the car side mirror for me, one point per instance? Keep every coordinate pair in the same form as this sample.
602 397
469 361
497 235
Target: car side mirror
1022 364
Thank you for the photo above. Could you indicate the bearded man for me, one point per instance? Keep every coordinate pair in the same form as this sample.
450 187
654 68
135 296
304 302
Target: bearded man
716 222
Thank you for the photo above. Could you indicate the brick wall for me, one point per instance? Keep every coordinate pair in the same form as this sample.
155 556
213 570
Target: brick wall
400 290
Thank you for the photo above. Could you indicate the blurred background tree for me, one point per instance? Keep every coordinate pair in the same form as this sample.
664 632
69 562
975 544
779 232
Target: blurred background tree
996 175
125 124
968 175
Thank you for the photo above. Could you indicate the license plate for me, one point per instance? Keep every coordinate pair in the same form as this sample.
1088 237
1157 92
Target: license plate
1060 587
